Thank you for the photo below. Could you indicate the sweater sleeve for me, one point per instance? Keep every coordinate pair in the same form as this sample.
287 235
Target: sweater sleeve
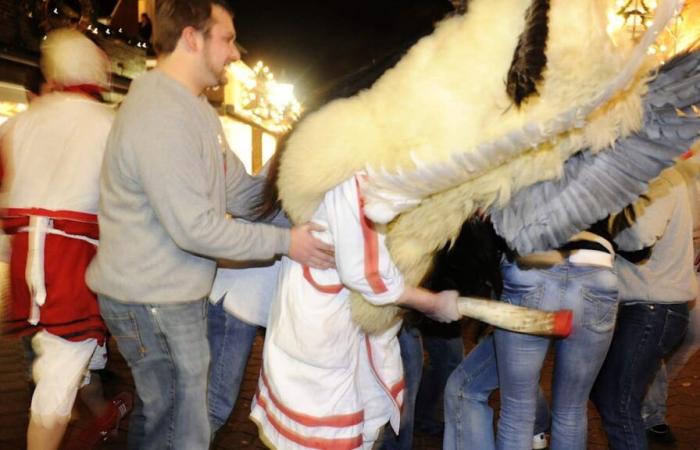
175 177
243 191
648 217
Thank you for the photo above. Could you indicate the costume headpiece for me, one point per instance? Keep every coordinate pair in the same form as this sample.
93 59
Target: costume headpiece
492 102
70 59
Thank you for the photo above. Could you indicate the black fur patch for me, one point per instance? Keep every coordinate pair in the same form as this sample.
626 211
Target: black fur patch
529 59
472 265
460 6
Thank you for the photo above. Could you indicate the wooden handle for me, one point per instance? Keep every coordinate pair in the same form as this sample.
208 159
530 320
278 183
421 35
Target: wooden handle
517 318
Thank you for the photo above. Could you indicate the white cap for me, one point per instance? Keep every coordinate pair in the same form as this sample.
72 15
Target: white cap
69 58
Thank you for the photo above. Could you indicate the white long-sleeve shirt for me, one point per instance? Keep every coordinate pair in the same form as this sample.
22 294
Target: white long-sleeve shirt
324 383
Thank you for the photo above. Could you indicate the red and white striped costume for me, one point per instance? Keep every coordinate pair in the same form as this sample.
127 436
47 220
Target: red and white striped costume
324 383
52 155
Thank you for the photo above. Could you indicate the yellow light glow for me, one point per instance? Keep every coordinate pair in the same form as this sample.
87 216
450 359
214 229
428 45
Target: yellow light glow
257 96
240 138
629 19
269 146
9 109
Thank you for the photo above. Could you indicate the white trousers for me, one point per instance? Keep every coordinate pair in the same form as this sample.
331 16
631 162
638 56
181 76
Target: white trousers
59 370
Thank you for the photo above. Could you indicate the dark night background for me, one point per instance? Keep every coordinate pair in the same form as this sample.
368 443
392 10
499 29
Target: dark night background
314 43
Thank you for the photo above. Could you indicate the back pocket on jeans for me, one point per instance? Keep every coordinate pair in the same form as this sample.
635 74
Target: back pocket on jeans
599 309
675 327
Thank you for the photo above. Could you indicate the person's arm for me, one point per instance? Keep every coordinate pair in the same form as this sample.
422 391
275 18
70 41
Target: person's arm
175 178
243 195
440 306
243 191
364 263
644 222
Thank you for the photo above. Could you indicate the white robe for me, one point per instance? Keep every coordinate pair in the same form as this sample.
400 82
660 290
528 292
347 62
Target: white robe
324 383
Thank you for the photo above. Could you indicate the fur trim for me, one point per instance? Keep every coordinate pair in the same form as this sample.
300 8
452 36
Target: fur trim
447 94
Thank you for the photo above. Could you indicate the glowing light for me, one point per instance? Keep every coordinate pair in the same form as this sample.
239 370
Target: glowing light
256 95
9 109
629 19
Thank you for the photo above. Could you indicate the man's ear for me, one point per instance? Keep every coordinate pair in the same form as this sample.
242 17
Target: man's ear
192 39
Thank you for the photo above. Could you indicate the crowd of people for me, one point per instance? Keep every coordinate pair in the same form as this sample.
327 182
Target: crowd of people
142 226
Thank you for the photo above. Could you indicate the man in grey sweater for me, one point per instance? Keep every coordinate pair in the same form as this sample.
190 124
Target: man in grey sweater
167 181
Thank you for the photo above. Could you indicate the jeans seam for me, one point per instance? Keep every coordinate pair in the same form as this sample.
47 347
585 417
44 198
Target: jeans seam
218 372
627 428
173 373
227 329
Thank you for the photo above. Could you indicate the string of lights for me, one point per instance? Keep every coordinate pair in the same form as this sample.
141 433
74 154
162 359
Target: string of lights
629 19
257 96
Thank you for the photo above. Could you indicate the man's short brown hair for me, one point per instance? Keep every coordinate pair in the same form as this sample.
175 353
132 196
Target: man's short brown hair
173 16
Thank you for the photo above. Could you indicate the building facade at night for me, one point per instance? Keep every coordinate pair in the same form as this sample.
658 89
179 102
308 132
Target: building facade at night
255 110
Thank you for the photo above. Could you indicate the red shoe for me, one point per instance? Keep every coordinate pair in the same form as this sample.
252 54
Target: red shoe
107 425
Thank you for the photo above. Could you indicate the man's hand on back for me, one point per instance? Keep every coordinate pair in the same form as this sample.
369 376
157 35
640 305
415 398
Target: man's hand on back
305 249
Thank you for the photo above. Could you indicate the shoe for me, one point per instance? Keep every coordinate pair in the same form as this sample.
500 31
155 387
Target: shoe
540 441
661 434
107 425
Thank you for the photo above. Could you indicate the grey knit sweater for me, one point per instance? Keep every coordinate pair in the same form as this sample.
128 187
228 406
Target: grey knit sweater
168 179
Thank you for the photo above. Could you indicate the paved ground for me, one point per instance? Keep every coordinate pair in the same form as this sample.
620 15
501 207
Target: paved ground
240 433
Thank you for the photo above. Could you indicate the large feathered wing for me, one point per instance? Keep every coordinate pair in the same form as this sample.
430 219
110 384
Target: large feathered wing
545 215
388 194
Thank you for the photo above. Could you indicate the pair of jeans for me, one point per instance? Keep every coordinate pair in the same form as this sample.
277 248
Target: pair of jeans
445 347
412 360
690 344
654 404
166 348
468 416
230 342
591 293
646 333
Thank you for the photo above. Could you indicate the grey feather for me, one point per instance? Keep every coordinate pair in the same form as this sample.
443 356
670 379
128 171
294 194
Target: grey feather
545 215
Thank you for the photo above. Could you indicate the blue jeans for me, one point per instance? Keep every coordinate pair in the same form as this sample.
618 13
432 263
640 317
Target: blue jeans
412 359
654 404
445 348
167 351
230 341
468 416
591 293
645 334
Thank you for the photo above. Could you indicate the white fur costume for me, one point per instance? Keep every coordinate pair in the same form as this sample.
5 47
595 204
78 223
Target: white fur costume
446 95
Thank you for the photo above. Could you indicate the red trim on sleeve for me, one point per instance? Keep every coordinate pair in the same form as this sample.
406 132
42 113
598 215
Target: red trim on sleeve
371 245
326 289
337 421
